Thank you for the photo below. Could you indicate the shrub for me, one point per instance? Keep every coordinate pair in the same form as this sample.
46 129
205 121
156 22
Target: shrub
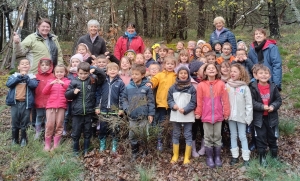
287 127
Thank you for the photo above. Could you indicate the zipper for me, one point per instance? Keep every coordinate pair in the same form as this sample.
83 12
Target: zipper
83 97
212 105
109 94
15 96
26 97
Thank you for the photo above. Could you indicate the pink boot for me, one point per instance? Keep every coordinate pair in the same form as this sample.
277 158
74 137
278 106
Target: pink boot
202 149
56 142
194 152
47 143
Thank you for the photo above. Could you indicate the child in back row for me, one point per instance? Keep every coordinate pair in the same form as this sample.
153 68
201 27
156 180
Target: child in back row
183 60
85 52
226 54
148 57
125 65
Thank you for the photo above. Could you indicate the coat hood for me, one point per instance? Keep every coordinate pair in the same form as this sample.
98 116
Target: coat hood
144 82
268 42
50 69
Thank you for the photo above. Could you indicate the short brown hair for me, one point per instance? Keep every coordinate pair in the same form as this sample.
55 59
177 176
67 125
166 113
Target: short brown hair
240 49
84 66
111 65
168 58
262 67
140 68
163 48
218 75
227 43
210 53
44 20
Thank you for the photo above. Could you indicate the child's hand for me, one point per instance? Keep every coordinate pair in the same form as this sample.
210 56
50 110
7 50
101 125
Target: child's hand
23 73
76 91
197 117
150 119
93 56
149 85
121 112
175 107
244 57
181 110
92 70
97 111
266 108
53 82
271 109
60 82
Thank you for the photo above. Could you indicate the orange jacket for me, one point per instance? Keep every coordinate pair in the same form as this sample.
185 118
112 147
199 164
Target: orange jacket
221 59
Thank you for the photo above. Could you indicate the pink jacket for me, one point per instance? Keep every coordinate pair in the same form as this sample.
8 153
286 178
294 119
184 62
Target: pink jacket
56 94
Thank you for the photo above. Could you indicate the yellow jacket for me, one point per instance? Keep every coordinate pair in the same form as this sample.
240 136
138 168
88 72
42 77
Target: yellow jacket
163 81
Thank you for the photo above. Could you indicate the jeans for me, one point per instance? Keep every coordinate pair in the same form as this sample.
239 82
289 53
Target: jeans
40 116
187 132
235 129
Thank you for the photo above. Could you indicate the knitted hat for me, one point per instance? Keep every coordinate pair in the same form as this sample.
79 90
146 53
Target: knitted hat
130 50
183 68
194 67
77 56
207 45
201 41
242 42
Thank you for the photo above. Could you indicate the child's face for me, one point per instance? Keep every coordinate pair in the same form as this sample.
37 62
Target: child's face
81 50
198 52
24 66
139 59
235 73
179 46
263 76
162 53
82 75
130 55
218 47
169 66
44 67
203 59
211 71
156 49
59 72
125 65
171 52
241 46
226 50
184 58
183 75
191 45
147 55
101 63
153 69
225 70
241 56
75 62
137 76
205 49
211 59
112 72
200 72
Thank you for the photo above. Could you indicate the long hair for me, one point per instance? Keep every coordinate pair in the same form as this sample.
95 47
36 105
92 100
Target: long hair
244 75
218 75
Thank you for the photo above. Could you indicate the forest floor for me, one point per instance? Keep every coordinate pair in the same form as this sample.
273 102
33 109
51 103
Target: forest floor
32 163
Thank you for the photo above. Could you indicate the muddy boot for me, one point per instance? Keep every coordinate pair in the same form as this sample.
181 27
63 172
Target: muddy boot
235 155
114 145
209 151
194 152
102 144
246 157
23 138
175 153
56 141
38 129
217 156
47 143
262 158
202 149
86 146
76 148
187 154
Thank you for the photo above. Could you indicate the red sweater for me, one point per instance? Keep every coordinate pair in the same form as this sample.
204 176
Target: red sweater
121 47
264 91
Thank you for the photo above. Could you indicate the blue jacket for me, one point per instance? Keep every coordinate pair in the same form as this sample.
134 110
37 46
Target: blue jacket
13 81
272 60
138 100
225 36
109 95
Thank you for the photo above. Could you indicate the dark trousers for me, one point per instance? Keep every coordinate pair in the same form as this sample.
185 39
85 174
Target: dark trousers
79 123
198 124
20 116
105 128
266 135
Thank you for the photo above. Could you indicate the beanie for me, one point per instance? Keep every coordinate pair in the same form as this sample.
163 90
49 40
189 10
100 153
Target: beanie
77 56
194 67
201 41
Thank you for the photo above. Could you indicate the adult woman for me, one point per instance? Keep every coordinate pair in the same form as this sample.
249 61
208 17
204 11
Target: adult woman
95 43
266 52
38 45
222 34
130 40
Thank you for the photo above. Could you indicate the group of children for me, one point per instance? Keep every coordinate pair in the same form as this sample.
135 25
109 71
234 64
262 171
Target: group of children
200 87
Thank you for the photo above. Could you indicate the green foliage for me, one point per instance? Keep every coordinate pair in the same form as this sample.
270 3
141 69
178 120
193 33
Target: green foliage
145 174
283 52
287 127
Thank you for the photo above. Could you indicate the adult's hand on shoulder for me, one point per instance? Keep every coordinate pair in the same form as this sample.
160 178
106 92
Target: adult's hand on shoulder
16 38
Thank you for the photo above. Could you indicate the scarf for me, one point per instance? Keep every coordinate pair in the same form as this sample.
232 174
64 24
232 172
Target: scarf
73 70
86 56
236 83
224 79
130 35
182 84
259 50
53 50
226 57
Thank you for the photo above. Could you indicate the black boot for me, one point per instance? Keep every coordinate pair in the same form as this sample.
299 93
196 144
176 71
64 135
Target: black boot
274 152
86 145
23 138
134 151
262 158
15 136
76 148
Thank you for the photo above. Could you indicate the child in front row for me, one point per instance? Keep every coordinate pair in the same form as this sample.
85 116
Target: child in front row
138 103
266 101
212 107
182 101
56 106
21 99
109 104
82 91
241 111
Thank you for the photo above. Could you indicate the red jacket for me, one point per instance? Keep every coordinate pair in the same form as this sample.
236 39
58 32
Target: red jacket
43 78
56 94
122 45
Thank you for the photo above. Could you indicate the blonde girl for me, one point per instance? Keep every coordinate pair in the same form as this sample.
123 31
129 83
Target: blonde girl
85 52
183 60
125 65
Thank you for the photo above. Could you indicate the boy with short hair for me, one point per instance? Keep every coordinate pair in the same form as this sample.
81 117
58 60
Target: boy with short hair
179 47
266 102
191 46
101 61
162 52
241 58
21 99
82 91
217 47
211 57
138 103
109 104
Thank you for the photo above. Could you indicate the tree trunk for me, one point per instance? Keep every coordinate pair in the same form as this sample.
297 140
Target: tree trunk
201 25
2 32
136 19
273 20
145 18
294 9
182 23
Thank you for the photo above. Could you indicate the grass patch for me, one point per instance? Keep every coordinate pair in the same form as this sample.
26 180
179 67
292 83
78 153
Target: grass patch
287 127
145 174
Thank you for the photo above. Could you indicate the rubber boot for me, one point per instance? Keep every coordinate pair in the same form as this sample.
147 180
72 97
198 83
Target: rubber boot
134 151
217 156
102 144
86 146
209 157
38 129
262 158
56 140
76 148
235 155
246 157
15 137
175 153
47 143
274 153
159 145
114 145
187 154
65 129
202 149
23 138
194 152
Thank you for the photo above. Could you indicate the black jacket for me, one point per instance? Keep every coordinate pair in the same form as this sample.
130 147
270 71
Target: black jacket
84 102
258 105
98 47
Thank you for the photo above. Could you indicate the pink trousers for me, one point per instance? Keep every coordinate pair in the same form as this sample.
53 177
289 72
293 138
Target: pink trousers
55 121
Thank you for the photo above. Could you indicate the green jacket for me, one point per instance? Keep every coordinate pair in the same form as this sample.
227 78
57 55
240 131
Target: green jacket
35 48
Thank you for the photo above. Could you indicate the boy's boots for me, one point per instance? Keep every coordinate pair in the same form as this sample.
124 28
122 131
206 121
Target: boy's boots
194 152
202 149
274 152
38 129
76 148
217 156
160 145
15 136
175 153
246 157
102 144
209 151
134 151
235 155
23 138
86 146
56 140
47 143
114 145
187 154
262 158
